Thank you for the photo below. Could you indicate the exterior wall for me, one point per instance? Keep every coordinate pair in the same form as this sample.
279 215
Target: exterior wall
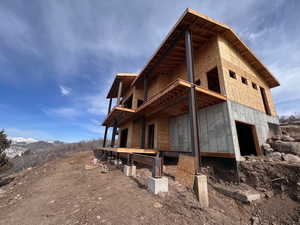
242 113
128 125
215 132
235 89
217 128
205 59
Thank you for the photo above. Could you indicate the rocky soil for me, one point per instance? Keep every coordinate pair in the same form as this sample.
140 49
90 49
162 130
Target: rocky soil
67 191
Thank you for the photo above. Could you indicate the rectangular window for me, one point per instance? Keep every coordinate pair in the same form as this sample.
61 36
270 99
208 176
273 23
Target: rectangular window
254 85
244 81
213 80
232 74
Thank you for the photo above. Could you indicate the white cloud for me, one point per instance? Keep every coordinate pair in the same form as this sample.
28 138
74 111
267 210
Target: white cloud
65 112
65 91
28 133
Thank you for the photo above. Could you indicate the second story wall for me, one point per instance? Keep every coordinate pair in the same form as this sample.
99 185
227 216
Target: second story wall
236 90
206 58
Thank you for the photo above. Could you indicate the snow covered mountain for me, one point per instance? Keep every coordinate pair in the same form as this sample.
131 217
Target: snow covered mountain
21 140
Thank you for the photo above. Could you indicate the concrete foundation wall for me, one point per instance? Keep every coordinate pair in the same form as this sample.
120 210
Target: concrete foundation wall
242 113
217 128
215 133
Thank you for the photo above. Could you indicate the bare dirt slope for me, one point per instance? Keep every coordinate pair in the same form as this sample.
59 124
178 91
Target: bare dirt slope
64 192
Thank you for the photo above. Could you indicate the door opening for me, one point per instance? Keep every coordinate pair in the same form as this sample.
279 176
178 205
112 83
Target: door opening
265 101
247 139
213 80
124 136
151 129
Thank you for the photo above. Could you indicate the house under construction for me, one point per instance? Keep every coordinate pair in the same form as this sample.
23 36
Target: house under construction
203 92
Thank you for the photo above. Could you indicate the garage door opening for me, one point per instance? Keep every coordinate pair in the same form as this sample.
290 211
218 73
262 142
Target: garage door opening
247 139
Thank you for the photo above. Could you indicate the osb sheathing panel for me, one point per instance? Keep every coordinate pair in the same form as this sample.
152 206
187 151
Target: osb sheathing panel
136 138
205 59
185 171
163 133
235 89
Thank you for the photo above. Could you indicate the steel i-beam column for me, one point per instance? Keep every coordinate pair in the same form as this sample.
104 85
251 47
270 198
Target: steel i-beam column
106 127
143 120
195 144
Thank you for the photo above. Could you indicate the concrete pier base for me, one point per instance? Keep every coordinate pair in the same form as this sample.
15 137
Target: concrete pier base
129 171
158 185
201 190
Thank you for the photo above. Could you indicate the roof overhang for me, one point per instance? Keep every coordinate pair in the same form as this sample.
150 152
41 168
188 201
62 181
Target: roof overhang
126 78
172 50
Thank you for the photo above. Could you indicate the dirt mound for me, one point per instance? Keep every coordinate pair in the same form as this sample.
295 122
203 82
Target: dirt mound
62 191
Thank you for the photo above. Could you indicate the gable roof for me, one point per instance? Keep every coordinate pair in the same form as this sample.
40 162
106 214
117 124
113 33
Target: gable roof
203 28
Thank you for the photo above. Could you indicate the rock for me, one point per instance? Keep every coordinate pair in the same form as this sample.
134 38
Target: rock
254 220
291 158
276 156
287 138
157 205
266 146
98 217
286 147
242 159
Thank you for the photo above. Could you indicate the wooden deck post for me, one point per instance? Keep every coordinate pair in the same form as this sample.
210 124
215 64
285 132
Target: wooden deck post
119 92
106 127
195 144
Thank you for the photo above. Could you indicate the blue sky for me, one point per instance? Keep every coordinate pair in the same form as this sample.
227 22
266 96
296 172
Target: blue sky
58 58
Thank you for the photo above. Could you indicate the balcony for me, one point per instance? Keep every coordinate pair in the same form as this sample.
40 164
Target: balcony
172 101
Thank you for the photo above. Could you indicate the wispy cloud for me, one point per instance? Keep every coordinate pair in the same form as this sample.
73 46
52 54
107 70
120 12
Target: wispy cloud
65 91
65 112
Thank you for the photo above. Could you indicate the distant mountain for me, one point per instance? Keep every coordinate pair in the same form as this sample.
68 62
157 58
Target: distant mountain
21 140
20 145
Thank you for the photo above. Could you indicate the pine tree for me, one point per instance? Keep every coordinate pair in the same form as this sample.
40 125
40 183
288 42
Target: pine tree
4 144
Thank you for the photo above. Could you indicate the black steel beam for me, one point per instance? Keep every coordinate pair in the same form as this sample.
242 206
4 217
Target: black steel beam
195 143
106 127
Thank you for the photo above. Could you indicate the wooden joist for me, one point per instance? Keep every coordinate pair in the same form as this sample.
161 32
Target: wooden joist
130 150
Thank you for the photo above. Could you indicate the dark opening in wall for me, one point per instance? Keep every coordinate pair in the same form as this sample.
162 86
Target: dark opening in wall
232 74
247 138
244 81
151 130
213 80
128 102
124 136
254 85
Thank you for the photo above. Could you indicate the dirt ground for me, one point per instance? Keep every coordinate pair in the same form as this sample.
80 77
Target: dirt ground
64 192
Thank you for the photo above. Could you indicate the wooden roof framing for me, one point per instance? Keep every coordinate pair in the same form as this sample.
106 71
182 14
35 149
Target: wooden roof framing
203 28
126 78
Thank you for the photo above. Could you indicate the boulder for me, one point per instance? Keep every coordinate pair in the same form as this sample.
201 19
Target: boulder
276 156
287 138
291 158
286 147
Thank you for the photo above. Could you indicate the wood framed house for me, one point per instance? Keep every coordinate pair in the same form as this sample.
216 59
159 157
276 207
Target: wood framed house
203 92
